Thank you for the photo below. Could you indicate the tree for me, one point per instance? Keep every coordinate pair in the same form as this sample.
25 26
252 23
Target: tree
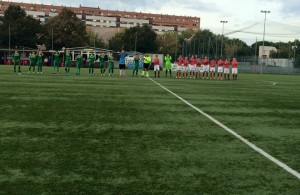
68 31
24 30
236 47
94 40
168 42
200 43
141 38
117 42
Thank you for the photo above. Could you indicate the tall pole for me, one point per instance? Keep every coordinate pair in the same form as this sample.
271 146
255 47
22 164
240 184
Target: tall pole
263 50
223 22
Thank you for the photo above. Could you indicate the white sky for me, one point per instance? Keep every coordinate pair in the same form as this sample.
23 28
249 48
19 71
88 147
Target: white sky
282 23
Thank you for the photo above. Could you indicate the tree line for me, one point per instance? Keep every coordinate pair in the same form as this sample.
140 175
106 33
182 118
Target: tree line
66 30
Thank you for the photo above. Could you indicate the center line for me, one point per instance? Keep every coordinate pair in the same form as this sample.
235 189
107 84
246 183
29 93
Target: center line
248 143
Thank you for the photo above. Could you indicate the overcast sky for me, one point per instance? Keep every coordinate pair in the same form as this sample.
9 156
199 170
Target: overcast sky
282 23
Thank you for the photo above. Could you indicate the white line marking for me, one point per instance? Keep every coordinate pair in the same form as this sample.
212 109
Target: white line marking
272 83
36 77
251 145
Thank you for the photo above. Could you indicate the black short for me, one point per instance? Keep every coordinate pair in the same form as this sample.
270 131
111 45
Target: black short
122 66
146 66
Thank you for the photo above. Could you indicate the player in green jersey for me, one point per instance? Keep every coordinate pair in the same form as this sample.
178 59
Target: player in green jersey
32 62
67 61
91 63
102 64
40 62
78 64
16 61
56 59
136 65
111 64
168 60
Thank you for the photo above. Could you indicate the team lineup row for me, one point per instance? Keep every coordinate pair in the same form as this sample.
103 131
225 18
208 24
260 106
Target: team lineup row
186 68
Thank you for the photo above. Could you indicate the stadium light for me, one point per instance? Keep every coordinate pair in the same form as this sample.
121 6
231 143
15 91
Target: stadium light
223 22
263 50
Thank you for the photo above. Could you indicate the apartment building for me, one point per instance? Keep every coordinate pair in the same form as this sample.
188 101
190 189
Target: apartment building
97 17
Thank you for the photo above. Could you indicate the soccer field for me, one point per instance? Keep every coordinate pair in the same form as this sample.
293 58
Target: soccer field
109 135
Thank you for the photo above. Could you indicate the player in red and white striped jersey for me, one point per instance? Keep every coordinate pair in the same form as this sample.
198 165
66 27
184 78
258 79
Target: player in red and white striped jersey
220 69
234 68
226 69
198 67
192 67
179 67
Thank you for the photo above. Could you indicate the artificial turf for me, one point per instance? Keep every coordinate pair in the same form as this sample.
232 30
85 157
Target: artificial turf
109 135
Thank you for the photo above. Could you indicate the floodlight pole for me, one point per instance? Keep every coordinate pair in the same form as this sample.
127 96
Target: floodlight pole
263 50
223 22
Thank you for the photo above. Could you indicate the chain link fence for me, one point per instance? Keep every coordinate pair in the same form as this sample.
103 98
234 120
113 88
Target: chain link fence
267 66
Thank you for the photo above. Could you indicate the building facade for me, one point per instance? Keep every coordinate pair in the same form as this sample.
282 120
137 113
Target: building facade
265 51
96 17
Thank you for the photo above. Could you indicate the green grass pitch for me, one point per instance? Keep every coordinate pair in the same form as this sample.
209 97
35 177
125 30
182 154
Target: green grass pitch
101 135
